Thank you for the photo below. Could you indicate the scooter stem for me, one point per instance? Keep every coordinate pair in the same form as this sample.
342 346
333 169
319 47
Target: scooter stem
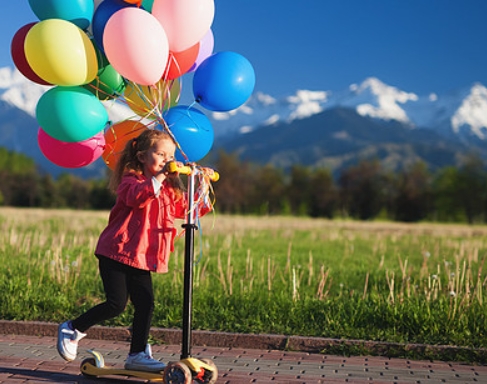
190 227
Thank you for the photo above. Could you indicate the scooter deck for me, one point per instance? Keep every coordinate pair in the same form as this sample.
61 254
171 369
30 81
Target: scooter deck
95 366
185 370
88 369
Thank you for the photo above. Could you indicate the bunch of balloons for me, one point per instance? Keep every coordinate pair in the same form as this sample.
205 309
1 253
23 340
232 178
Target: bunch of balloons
126 51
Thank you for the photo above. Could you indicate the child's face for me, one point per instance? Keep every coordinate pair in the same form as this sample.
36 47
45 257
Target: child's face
157 156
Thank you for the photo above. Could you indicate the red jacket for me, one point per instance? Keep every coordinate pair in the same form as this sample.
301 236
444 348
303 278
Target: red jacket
140 230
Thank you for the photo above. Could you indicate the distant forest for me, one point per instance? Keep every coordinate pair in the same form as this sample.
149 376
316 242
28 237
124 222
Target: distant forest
365 191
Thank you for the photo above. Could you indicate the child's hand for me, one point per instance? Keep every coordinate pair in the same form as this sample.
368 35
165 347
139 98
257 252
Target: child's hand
171 168
211 173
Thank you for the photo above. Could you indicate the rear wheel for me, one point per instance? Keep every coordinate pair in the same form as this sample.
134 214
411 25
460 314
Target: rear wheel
84 363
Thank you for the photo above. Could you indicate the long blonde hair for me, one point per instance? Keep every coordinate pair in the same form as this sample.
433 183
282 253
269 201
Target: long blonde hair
129 158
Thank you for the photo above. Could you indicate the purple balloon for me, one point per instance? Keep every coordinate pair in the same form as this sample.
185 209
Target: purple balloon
207 44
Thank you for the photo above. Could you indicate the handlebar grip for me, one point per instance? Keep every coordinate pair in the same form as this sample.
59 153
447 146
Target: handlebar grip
173 167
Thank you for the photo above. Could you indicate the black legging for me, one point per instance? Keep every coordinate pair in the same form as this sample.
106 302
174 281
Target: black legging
122 282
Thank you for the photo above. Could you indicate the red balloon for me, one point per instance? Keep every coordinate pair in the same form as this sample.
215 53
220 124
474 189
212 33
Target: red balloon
180 63
18 55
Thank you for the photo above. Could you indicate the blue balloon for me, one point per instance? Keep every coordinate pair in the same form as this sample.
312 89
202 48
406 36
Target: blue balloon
192 130
224 81
104 11
79 12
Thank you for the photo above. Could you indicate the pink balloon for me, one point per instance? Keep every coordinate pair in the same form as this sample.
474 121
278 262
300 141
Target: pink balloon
207 44
73 154
136 45
185 21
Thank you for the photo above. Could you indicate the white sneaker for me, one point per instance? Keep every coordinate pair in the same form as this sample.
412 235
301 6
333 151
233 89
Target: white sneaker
67 341
143 362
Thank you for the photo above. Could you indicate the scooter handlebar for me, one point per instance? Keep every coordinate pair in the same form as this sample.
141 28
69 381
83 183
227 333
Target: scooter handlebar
174 167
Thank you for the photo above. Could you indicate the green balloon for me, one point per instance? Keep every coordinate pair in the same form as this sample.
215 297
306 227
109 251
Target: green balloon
108 84
147 4
71 114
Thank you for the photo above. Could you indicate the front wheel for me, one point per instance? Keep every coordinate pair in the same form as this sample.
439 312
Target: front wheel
177 373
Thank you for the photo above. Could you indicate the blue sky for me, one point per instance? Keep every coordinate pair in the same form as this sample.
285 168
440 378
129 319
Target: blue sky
420 46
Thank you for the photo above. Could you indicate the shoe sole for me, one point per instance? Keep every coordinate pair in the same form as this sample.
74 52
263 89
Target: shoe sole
140 369
65 357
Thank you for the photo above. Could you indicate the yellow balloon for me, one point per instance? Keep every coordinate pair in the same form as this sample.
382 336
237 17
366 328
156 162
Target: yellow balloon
150 101
60 53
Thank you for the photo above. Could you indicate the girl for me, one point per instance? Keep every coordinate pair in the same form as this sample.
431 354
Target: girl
137 241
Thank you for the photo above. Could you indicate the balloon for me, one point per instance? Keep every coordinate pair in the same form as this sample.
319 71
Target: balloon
224 81
18 55
116 136
70 113
136 2
185 21
147 4
108 83
136 45
60 53
90 27
180 62
150 101
193 132
79 12
103 12
207 44
71 155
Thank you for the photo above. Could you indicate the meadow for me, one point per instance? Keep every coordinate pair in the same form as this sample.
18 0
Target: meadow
376 281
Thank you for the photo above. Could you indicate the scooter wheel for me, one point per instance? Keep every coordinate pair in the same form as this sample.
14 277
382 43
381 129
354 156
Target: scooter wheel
177 373
210 376
84 363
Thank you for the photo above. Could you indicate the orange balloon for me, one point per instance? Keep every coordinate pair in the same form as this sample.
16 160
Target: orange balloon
116 136
136 2
180 63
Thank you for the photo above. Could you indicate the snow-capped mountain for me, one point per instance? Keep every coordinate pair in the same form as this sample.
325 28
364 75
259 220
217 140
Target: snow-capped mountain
19 92
463 112
460 115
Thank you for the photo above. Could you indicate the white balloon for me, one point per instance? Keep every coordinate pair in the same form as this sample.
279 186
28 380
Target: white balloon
185 21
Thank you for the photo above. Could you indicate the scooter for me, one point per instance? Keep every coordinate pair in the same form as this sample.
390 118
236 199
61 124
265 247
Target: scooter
188 369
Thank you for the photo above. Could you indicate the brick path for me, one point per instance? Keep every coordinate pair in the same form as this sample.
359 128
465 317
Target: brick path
34 359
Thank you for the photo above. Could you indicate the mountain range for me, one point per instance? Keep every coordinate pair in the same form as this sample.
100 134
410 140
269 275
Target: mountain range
332 129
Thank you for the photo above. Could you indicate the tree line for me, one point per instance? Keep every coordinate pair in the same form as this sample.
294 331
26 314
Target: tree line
364 191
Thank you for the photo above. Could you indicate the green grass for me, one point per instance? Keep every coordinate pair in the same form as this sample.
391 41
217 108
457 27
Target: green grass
377 281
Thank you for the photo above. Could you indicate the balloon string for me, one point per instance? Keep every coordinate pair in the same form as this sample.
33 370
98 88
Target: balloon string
205 195
163 123
156 100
